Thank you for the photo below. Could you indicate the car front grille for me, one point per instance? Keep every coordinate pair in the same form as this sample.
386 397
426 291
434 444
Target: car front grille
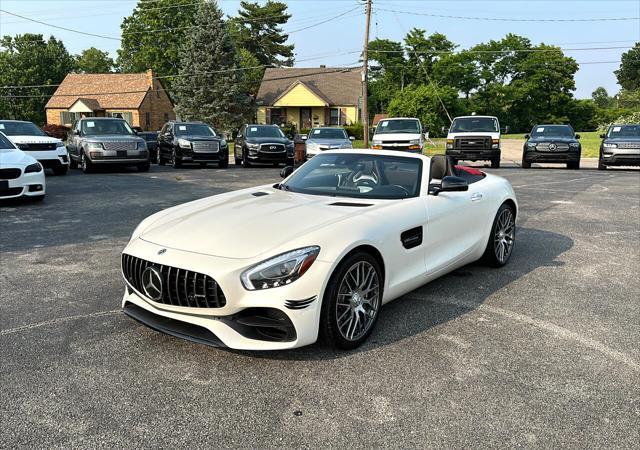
204 146
40 146
272 148
120 145
9 192
179 287
560 147
472 143
629 145
9 174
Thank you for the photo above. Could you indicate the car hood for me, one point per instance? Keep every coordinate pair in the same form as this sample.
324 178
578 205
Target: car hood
15 158
396 136
328 141
616 140
267 140
552 139
25 139
241 225
492 134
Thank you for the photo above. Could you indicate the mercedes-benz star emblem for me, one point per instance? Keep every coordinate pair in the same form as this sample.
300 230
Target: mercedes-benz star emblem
152 283
552 146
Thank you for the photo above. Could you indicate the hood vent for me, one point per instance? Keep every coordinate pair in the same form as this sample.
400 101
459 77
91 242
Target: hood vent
260 194
354 205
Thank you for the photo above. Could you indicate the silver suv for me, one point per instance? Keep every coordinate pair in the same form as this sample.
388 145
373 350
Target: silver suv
97 141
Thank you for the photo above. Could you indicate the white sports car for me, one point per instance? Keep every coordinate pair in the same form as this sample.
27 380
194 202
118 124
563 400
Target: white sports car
317 255
20 174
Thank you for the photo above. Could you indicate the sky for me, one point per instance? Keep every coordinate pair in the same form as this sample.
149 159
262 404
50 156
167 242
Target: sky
336 42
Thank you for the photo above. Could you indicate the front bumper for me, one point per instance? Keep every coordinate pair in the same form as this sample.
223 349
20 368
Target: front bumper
50 159
198 157
27 185
474 155
551 156
621 157
118 157
235 324
269 157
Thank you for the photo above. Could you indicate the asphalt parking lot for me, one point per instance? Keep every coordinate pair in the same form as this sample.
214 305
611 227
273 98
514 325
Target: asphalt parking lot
544 352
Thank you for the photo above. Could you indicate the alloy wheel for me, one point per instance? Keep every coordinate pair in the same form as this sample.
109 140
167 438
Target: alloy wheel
504 235
358 300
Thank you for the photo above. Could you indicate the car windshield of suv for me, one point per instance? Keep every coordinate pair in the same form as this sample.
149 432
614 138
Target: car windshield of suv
268 131
398 126
625 131
328 133
5 144
358 176
103 127
474 125
21 129
193 129
552 131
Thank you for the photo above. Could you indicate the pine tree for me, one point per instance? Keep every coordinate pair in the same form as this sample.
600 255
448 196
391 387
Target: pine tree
209 86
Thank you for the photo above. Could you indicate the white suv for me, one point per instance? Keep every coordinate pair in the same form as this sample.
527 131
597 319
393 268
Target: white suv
49 151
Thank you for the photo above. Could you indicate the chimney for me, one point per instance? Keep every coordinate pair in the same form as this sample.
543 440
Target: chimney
150 77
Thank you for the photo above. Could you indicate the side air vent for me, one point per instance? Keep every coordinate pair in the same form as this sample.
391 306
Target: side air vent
260 194
411 238
354 205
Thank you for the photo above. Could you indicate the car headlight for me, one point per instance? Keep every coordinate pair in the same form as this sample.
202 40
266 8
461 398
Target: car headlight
33 168
495 143
449 143
280 270
312 146
59 144
183 143
94 146
289 145
376 142
607 145
347 145
142 145
531 144
223 143
574 144
251 146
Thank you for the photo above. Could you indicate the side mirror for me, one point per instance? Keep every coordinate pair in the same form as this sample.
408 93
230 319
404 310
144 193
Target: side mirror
602 136
289 137
135 131
577 136
451 184
286 171
527 136
352 138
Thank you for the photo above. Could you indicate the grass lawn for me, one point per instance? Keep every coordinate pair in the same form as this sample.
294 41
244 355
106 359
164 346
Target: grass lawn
590 141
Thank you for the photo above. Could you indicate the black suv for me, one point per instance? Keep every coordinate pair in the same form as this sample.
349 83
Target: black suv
620 146
263 144
552 144
191 142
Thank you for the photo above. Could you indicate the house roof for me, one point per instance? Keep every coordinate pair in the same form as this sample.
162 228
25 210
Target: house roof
109 90
336 85
90 103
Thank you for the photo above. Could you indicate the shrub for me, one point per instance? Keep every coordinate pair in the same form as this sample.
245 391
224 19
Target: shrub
356 130
56 131
629 118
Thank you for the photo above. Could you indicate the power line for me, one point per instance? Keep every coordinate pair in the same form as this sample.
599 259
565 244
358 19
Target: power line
503 19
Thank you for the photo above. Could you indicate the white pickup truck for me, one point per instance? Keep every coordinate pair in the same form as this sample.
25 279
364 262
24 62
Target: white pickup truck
474 138
399 133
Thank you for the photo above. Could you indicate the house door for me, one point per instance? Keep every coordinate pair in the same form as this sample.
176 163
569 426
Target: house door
305 117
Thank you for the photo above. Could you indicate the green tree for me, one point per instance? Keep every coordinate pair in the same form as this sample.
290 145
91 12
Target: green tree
258 29
28 59
601 97
209 84
424 51
92 60
629 72
153 34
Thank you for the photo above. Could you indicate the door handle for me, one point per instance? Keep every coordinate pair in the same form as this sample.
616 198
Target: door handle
476 196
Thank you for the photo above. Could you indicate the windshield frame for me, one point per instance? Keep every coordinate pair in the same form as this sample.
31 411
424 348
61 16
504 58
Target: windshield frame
535 135
345 136
178 132
311 165
380 128
264 127
38 131
623 125
456 120
83 128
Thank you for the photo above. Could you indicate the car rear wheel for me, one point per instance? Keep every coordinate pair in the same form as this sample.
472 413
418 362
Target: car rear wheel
502 237
352 302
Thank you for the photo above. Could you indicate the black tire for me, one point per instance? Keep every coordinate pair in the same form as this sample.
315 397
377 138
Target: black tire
330 331
525 164
60 170
245 160
574 165
73 164
159 159
490 256
175 162
144 167
495 163
85 164
601 166
224 163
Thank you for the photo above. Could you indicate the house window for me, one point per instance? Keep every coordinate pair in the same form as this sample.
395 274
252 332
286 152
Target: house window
334 116
276 116
68 118
147 121
126 115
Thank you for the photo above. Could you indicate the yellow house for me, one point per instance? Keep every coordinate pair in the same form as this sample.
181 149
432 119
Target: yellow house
310 97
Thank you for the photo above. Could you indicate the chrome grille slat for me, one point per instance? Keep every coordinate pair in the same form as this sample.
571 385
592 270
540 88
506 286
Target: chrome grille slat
205 146
168 283
120 145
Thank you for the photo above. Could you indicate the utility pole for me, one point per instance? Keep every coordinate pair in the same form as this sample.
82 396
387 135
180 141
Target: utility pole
365 71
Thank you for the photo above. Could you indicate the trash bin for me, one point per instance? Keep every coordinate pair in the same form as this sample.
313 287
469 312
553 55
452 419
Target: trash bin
300 148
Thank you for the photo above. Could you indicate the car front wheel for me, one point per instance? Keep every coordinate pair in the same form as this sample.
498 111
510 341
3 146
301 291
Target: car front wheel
175 162
352 302
525 164
85 164
502 237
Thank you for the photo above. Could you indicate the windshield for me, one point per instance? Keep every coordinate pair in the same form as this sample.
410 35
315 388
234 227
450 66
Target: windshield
328 133
264 131
194 129
102 127
358 176
624 131
398 126
21 129
5 143
474 124
552 131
